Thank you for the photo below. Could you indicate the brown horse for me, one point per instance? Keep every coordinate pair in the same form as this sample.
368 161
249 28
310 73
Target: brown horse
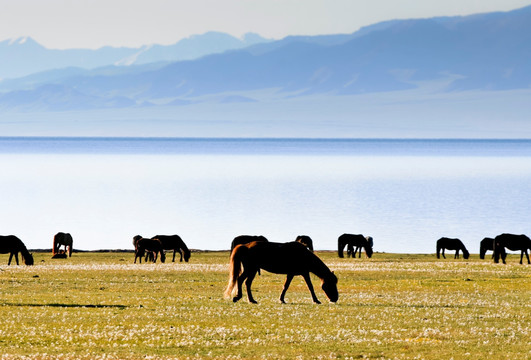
62 239
306 241
13 245
451 244
291 259
511 242
175 243
143 244
354 240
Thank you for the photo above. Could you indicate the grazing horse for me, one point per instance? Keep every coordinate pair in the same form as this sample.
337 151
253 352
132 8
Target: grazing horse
13 245
143 244
351 251
451 244
511 242
306 241
351 240
246 239
62 239
487 244
291 259
175 243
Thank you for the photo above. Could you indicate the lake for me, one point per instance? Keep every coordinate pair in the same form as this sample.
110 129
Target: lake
404 193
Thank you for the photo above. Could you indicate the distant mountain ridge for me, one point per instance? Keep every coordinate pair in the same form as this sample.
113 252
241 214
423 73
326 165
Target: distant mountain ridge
17 56
485 51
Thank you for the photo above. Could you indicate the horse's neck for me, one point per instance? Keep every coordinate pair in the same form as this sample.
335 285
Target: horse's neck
318 267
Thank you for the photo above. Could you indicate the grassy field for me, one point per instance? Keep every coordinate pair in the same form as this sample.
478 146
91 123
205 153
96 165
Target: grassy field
393 306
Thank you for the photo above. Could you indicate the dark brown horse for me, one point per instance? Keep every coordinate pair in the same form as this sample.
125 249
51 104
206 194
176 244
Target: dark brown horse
143 244
351 240
487 244
291 259
62 239
511 242
12 245
306 241
175 243
451 244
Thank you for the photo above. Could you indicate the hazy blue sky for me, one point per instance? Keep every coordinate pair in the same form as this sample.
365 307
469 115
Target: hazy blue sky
95 23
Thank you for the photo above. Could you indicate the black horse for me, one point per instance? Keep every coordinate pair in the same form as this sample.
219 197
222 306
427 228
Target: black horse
62 239
487 244
451 244
12 245
246 239
351 240
511 242
351 251
142 245
291 259
306 241
175 243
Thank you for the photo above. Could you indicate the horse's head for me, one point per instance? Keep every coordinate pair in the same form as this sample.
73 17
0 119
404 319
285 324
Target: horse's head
466 254
28 260
329 286
368 251
186 255
162 256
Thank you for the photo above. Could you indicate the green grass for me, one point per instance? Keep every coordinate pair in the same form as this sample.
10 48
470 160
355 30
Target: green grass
394 306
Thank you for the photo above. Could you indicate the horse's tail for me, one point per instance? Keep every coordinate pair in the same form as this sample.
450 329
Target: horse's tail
235 268
70 245
54 244
340 246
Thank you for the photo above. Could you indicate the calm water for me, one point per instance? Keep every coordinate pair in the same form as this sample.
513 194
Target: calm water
404 193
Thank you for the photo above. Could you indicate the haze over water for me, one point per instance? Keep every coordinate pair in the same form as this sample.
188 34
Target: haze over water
404 193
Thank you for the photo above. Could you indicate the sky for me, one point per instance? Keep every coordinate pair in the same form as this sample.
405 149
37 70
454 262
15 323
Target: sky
64 24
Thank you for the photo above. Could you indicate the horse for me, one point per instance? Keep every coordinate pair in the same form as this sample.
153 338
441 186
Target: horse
306 241
290 258
13 245
175 243
352 240
351 251
64 239
511 242
246 239
451 244
142 244
485 245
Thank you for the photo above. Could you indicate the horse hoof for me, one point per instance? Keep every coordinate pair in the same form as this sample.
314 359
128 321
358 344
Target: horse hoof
317 302
253 301
235 299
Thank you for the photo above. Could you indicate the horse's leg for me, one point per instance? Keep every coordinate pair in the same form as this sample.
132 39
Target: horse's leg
456 256
442 252
10 257
310 287
16 257
286 286
241 279
248 283
527 256
359 250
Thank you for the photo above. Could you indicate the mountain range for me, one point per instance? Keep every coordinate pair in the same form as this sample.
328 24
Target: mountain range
480 52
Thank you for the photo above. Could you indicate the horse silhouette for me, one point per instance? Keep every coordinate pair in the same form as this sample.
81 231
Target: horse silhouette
511 242
451 244
306 241
12 245
246 239
175 243
62 239
291 259
487 244
144 244
354 240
